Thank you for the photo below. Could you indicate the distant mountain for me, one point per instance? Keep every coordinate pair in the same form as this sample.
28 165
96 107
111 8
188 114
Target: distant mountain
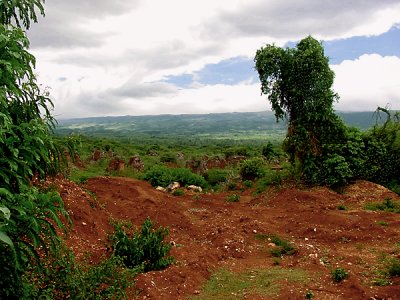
192 124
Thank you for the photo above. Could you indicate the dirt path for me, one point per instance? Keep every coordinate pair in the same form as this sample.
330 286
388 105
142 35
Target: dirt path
210 233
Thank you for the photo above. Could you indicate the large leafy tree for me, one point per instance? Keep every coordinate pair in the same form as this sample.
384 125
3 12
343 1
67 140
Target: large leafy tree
298 83
27 215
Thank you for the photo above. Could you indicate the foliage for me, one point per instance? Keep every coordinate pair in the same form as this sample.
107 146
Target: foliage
387 205
178 192
268 151
20 11
283 247
233 198
27 150
163 176
251 169
297 82
271 177
143 250
339 274
216 176
63 277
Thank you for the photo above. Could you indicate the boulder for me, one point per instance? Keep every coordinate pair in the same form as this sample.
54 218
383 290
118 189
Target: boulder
173 186
136 163
116 164
161 189
195 188
97 155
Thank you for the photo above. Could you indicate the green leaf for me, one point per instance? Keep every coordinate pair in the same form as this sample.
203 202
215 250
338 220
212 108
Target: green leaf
6 239
6 212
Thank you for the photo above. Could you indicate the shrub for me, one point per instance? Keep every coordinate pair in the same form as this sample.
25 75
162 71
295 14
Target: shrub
233 198
178 192
283 247
387 205
62 277
248 183
251 169
163 176
168 157
339 274
216 176
268 151
145 250
337 171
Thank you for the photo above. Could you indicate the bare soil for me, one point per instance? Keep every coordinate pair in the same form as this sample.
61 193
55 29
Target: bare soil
210 233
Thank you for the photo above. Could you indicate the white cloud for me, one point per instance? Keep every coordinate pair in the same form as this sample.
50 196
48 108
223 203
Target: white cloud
105 58
368 82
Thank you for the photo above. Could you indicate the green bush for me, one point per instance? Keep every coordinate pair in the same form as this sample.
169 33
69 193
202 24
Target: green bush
168 157
216 176
387 205
339 274
336 171
63 277
283 247
268 151
251 169
163 176
178 192
233 198
145 250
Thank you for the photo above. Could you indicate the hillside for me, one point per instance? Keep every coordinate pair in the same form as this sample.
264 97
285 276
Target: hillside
223 250
253 124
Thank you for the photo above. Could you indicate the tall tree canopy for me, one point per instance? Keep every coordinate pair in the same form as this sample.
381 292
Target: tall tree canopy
298 83
26 148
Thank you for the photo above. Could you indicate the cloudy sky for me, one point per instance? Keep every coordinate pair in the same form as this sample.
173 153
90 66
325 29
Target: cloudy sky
140 57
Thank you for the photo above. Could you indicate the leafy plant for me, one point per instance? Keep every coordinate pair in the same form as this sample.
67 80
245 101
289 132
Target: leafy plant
339 274
63 277
144 250
233 198
251 169
216 176
163 176
178 192
387 205
283 247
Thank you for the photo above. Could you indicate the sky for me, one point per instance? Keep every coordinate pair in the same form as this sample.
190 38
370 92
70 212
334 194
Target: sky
148 57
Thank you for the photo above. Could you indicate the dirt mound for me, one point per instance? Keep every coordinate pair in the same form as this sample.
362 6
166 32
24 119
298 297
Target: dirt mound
210 233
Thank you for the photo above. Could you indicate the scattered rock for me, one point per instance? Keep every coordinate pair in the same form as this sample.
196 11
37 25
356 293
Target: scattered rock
116 164
136 163
160 188
195 188
173 186
97 155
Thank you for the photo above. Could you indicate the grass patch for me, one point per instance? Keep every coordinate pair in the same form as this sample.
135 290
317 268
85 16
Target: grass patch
233 198
282 248
387 205
226 285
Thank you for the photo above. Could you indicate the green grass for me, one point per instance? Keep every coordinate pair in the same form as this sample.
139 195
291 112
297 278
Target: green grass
387 205
225 285
282 248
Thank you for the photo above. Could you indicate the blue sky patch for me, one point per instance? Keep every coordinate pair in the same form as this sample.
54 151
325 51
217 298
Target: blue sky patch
386 44
237 69
229 72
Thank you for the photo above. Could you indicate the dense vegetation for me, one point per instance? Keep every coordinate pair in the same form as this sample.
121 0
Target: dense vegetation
298 83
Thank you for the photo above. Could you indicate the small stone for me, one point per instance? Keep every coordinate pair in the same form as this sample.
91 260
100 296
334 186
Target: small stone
196 292
254 231
84 224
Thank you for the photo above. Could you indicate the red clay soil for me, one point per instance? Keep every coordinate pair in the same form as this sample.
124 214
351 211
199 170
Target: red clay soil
210 233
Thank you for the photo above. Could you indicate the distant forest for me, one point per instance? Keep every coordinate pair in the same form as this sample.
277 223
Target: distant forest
193 124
